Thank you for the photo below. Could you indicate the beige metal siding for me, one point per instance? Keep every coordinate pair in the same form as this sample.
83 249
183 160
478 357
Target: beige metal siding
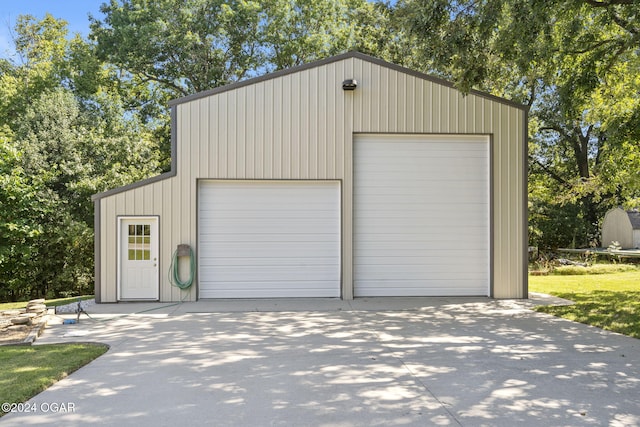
381 96
300 126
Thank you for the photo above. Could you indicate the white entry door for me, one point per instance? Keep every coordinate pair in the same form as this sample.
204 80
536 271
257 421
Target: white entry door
138 254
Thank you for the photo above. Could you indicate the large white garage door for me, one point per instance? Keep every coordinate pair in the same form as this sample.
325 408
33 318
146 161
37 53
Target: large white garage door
262 239
421 215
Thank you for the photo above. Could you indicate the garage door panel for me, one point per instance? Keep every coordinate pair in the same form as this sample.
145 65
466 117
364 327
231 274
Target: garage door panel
264 261
273 273
412 289
284 237
269 239
421 215
267 249
258 226
269 290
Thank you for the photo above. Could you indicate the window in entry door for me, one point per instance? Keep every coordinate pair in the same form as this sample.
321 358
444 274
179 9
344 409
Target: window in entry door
139 242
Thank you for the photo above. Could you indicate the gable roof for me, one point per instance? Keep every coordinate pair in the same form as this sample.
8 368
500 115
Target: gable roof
341 57
348 55
634 218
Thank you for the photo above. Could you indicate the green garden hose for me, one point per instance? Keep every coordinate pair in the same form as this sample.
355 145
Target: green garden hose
174 273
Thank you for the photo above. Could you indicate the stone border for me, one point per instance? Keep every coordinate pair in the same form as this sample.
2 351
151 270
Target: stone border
37 330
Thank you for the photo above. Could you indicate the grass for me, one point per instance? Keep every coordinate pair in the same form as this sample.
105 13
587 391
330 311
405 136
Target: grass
28 370
607 300
50 302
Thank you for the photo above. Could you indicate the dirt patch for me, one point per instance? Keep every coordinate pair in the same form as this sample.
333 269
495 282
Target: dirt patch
8 336
16 325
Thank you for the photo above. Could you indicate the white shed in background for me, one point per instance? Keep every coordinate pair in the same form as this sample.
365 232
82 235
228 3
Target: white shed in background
345 177
623 227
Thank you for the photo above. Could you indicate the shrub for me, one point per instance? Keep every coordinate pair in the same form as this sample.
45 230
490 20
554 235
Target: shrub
574 270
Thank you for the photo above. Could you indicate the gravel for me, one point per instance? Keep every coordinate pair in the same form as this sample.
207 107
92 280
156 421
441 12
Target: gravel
73 307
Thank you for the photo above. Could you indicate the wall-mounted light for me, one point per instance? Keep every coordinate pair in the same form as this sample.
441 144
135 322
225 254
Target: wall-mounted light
349 84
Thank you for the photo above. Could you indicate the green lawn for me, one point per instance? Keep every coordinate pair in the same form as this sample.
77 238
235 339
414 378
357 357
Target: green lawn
28 370
49 302
609 301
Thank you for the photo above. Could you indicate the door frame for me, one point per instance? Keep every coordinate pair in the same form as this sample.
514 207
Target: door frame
119 221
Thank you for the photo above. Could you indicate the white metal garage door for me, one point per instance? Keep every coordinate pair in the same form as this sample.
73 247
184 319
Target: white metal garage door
261 239
421 215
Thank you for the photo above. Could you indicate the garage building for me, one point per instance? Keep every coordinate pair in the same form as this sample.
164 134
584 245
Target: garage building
347 177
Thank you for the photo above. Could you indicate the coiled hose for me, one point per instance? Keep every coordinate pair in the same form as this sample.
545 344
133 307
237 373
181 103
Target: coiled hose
174 271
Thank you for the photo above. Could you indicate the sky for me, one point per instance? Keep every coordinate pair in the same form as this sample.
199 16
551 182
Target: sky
75 12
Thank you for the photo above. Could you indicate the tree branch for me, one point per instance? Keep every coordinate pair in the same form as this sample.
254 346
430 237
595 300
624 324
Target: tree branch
549 172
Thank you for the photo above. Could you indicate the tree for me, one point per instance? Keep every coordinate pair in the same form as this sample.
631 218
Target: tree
60 142
576 65
191 46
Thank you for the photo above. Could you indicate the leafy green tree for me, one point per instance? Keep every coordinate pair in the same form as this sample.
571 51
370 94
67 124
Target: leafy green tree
194 45
184 46
66 134
576 65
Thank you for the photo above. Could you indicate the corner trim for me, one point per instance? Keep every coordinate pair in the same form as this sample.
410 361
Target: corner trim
97 242
525 204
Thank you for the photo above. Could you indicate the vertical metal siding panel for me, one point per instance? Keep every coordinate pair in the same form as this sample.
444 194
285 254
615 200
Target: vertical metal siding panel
248 122
222 139
257 135
277 125
213 141
335 155
289 88
323 100
427 101
129 200
418 105
190 161
384 102
445 101
149 202
232 132
203 139
367 106
175 218
107 250
436 107
301 135
334 117
314 127
240 131
267 134
166 227
501 209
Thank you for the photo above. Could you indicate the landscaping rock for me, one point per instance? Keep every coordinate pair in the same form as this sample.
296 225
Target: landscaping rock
36 301
28 315
37 308
21 321
18 328
11 313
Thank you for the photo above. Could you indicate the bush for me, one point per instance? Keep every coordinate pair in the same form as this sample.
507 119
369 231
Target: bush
575 270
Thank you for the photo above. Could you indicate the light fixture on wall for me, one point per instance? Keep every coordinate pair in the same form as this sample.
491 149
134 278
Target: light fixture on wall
349 84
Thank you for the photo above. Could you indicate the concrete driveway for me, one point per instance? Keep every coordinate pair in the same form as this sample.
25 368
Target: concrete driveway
377 362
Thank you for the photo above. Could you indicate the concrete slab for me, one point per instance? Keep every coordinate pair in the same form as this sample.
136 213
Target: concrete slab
459 361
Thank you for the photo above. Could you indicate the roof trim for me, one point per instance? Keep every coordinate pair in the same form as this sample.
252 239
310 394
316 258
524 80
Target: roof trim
332 59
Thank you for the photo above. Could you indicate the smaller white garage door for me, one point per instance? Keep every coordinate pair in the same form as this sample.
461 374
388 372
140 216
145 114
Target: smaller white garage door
269 239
